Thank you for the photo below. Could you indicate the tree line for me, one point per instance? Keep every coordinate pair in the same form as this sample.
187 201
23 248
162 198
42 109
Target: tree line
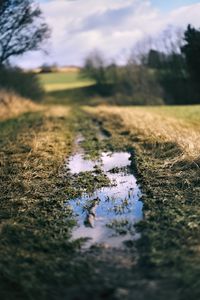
163 70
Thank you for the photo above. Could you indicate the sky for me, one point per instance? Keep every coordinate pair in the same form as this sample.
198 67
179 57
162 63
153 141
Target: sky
112 26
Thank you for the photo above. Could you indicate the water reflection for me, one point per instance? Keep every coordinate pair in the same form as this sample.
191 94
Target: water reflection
108 215
115 160
78 164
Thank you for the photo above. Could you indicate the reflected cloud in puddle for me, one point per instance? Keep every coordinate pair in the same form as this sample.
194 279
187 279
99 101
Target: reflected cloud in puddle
115 160
108 215
78 164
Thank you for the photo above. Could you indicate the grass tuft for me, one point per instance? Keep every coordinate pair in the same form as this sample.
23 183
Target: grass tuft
13 105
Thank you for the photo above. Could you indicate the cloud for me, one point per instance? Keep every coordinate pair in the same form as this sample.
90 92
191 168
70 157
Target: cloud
112 26
186 15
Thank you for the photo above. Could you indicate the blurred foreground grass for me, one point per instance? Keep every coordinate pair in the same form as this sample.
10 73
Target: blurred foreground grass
34 140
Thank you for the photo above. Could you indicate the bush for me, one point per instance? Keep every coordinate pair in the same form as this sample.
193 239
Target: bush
178 89
48 68
95 68
26 85
139 86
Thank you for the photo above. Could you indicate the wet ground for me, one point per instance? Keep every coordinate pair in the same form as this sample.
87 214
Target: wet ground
107 215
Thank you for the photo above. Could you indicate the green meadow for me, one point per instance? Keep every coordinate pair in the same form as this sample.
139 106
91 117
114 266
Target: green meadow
63 80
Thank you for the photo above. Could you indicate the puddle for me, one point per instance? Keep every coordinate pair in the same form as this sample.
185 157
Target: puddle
78 164
115 160
108 215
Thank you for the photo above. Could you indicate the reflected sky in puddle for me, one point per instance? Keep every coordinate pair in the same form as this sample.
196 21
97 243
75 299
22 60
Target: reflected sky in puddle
115 160
108 215
78 164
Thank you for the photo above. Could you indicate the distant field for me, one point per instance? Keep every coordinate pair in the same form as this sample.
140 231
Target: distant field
189 113
63 81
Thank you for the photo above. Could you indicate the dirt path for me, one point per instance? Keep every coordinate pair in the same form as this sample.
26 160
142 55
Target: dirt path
40 261
111 273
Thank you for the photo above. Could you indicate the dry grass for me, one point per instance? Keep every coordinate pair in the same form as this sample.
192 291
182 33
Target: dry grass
12 105
33 146
156 126
59 111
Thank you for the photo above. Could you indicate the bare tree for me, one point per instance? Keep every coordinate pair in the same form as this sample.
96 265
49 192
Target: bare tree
170 40
22 28
95 67
167 42
140 50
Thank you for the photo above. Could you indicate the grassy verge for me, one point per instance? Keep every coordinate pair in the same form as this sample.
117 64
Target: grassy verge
35 228
12 105
167 158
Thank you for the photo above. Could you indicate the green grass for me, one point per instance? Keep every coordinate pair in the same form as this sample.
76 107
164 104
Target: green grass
54 78
189 113
63 81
